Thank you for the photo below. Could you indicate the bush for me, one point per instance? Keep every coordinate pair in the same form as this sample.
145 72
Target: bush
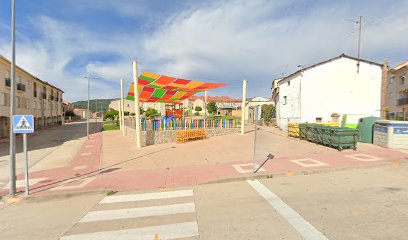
267 112
151 112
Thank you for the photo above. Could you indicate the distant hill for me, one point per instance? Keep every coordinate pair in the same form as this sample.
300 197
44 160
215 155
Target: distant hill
103 104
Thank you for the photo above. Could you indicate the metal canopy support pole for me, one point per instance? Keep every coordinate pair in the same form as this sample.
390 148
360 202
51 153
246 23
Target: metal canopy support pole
12 103
137 109
87 113
122 108
256 129
205 108
27 190
244 88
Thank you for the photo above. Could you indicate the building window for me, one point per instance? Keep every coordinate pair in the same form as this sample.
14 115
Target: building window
35 89
288 83
285 100
402 80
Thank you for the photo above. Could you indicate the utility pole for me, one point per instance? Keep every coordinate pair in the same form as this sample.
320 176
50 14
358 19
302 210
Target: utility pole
12 101
359 36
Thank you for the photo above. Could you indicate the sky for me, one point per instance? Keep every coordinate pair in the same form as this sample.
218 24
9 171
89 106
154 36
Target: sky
216 41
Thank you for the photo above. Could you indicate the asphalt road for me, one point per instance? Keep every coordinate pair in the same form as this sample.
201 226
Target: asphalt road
48 149
365 203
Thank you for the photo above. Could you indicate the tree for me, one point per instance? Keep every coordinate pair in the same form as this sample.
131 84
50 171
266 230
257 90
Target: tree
151 112
198 109
212 108
111 114
267 112
69 113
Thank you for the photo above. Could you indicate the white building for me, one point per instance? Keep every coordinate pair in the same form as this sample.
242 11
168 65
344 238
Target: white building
129 106
342 85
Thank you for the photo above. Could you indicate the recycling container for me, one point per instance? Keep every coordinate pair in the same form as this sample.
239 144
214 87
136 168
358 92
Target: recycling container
366 129
391 134
342 138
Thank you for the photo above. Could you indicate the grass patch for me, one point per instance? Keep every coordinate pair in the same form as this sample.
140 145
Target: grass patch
109 126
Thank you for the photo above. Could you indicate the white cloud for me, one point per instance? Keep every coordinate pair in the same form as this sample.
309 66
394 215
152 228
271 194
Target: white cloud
62 44
223 41
257 39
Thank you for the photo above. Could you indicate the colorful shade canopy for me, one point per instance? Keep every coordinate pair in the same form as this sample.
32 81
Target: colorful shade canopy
159 88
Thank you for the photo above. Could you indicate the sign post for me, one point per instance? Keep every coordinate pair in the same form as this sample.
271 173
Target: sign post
24 124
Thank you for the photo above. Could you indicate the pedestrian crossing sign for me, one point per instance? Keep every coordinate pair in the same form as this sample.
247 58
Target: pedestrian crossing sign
23 123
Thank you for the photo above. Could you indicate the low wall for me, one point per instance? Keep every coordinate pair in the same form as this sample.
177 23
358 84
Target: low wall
148 138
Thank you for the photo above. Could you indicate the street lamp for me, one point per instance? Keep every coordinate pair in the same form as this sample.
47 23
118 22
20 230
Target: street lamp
87 114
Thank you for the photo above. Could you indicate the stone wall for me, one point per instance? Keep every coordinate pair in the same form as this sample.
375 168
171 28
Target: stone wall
148 138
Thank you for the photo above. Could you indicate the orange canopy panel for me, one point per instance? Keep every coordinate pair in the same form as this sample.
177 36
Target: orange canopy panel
159 88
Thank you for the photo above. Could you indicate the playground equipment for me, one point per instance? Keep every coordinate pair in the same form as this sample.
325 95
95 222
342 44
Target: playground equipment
172 111
152 87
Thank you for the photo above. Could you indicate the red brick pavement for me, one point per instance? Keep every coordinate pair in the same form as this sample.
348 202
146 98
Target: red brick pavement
84 173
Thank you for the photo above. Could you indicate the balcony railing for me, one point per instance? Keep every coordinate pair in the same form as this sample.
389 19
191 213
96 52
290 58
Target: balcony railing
21 87
402 101
7 82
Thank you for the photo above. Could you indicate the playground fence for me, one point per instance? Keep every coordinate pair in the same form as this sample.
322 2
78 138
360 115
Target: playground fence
180 124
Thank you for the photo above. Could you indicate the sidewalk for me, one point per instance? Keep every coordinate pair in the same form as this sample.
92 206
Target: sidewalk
95 166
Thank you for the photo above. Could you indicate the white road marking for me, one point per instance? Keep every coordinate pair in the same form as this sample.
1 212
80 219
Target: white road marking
363 157
147 196
308 162
89 146
82 184
295 219
239 168
21 183
80 167
138 212
86 154
171 231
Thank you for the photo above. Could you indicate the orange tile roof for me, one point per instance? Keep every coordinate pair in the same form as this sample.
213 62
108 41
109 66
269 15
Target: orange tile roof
216 99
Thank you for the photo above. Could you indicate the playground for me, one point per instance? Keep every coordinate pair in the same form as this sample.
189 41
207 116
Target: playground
178 123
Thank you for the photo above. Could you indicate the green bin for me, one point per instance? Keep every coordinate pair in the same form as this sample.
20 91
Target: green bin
366 129
325 135
302 131
342 138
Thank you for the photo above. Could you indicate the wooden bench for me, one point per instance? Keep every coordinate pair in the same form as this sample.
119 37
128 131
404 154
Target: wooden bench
183 136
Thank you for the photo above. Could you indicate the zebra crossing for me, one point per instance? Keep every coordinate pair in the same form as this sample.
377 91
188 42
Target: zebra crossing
142 216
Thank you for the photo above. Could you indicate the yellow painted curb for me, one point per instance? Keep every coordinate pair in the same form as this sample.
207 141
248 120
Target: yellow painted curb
13 200
396 164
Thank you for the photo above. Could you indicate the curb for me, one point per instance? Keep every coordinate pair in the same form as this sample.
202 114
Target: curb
302 173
